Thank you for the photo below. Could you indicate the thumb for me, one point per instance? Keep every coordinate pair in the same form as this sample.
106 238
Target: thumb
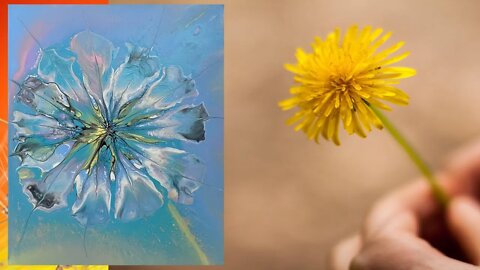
463 218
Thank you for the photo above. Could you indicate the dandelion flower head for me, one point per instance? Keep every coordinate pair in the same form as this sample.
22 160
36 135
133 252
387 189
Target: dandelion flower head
340 81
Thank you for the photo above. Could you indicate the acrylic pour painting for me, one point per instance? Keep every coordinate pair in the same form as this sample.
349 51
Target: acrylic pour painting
116 134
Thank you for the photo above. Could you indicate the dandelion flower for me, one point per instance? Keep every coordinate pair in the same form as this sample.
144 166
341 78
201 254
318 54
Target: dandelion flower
86 130
342 79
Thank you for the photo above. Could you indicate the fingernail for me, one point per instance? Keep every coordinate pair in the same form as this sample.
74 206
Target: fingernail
465 204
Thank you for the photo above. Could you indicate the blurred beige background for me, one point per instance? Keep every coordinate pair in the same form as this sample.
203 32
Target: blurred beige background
287 199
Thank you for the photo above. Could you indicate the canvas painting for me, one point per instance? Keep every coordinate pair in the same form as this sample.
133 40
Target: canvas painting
115 135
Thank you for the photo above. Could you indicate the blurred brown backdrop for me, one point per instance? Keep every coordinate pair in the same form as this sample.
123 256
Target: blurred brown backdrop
288 200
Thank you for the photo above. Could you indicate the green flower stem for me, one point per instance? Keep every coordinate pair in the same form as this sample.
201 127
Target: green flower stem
438 191
183 226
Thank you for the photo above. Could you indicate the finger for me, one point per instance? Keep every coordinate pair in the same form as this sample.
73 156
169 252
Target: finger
463 218
403 251
414 199
466 158
464 170
343 253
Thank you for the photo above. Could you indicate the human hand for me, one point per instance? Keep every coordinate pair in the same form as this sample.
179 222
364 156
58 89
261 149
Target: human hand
408 230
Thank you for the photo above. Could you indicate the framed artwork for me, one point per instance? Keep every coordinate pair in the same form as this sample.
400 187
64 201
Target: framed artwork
116 134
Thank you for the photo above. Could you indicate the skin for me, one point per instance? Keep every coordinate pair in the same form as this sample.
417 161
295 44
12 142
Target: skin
407 229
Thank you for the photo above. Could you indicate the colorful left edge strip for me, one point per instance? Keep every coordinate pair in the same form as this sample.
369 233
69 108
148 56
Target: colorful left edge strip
4 138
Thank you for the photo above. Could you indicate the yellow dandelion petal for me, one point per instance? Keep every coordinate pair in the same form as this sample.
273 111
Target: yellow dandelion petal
375 34
394 59
379 42
288 103
385 53
403 72
357 128
341 79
